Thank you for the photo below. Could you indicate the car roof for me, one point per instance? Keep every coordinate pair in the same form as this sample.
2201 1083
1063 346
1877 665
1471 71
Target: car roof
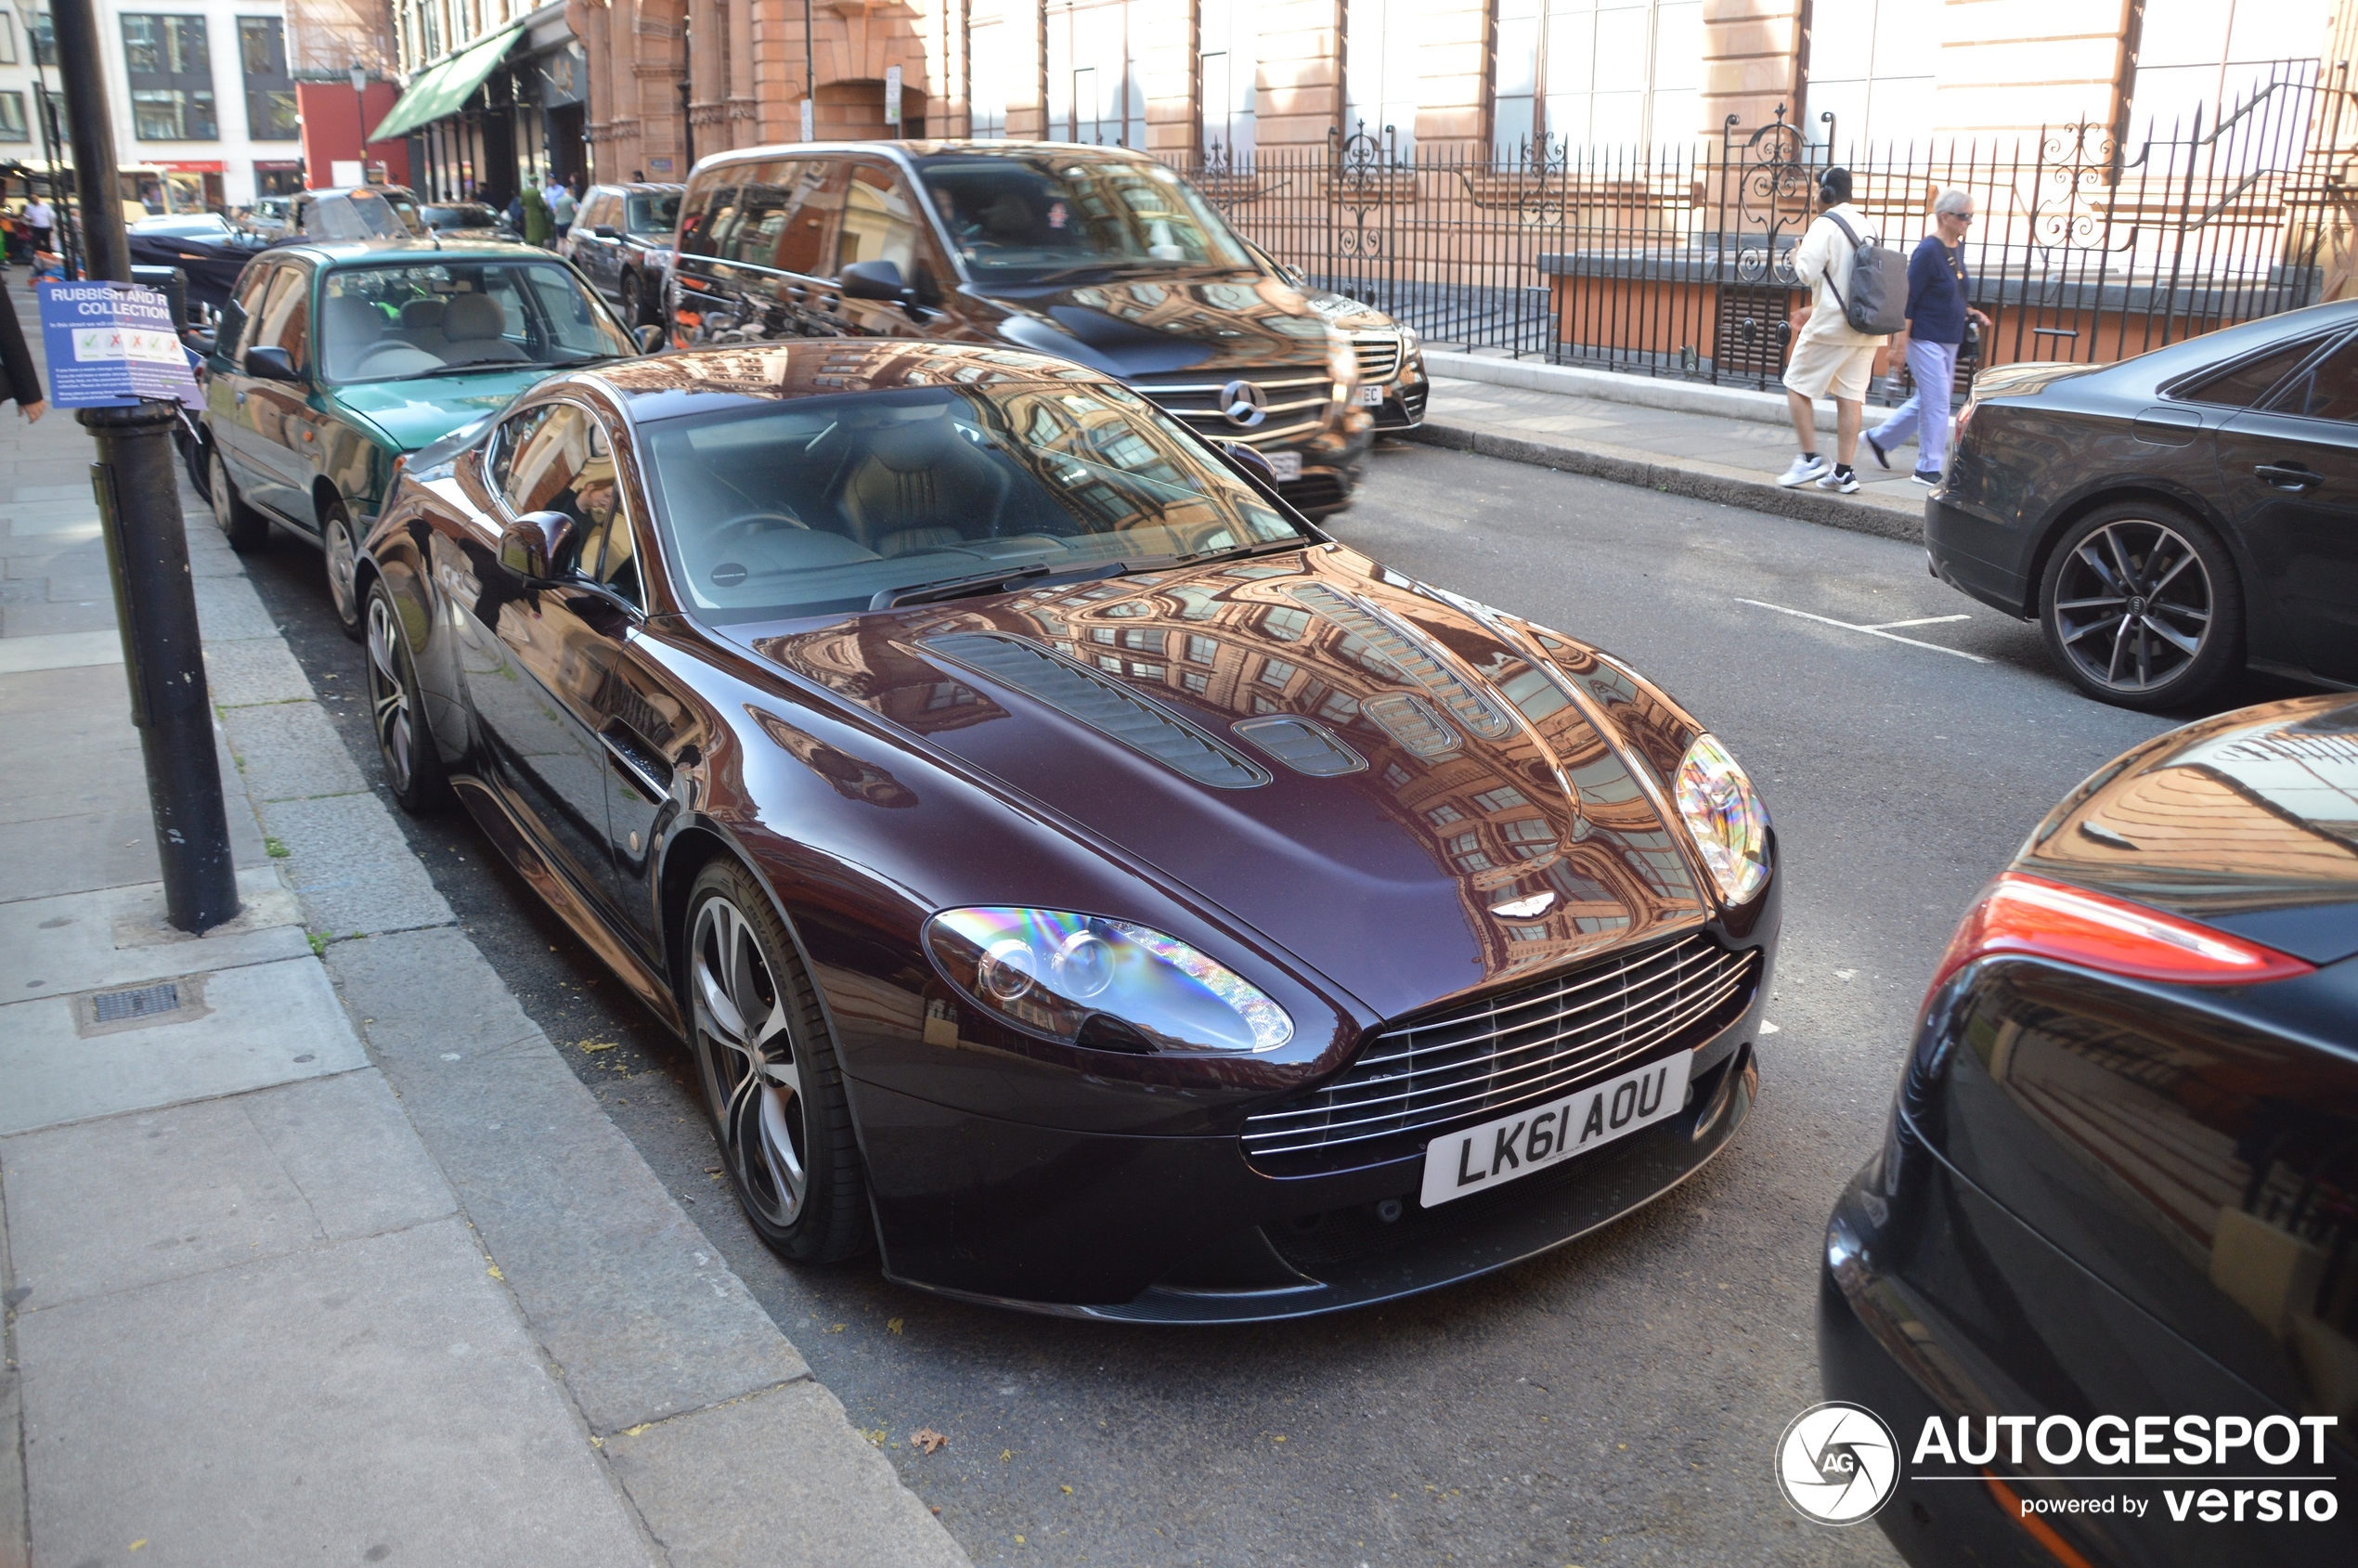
826 368
640 188
908 152
336 252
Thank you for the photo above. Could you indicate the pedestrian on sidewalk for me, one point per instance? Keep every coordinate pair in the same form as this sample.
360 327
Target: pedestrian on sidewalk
537 229
19 381
40 219
1829 357
1940 303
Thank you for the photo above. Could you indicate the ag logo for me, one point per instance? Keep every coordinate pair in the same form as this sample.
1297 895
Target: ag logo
1837 1463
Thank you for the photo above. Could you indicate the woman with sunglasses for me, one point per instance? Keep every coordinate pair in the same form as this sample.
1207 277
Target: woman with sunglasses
1939 297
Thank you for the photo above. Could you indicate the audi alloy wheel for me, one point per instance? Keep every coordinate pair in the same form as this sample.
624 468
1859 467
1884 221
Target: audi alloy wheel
2142 606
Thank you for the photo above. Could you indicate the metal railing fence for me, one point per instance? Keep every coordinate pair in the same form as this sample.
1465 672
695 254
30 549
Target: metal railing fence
1677 261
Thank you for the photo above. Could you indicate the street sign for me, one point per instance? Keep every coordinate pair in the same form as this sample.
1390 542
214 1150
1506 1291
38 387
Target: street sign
892 98
111 345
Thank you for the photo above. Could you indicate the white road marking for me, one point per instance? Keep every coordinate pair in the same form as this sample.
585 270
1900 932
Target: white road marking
1869 630
1923 621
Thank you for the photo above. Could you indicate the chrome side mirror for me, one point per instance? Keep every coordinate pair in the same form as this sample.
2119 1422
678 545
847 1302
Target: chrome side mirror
531 545
650 338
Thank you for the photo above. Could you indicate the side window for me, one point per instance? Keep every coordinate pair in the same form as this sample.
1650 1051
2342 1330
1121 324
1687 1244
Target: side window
243 307
698 208
879 223
804 240
513 436
557 458
285 320
2327 390
2242 386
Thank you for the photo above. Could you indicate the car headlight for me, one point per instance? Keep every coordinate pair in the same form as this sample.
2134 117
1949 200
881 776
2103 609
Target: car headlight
1407 338
1086 979
1725 818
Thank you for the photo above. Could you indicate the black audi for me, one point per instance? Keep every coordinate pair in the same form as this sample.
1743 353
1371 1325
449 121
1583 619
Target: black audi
2170 518
2102 1279
1068 868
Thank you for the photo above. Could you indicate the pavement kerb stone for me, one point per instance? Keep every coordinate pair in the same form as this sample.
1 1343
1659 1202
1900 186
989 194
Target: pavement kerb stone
1710 481
1616 386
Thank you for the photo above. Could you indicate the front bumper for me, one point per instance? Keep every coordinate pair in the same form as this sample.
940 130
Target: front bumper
1404 405
1184 1230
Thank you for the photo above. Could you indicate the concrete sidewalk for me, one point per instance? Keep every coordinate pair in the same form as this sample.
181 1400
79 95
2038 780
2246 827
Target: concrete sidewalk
312 1248
1720 443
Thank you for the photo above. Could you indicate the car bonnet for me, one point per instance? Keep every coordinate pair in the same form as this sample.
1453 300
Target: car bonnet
1358 766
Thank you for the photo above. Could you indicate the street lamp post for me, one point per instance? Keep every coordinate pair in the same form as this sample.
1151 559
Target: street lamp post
360 113
139 499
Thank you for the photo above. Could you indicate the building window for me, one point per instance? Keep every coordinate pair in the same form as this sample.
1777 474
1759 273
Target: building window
1227 76
2217 54
271 95
7 37
1872 64
170 70
13 126
1598 72
988 71
1096 93
1201 649
1381 40
45 40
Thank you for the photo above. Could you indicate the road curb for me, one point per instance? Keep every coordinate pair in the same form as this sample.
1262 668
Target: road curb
1859 514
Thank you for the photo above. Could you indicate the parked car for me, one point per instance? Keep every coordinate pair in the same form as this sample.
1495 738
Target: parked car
363 212
2170 518
2121 1175
209 250
1092 254
1068 868
1393 382
334 360
621 240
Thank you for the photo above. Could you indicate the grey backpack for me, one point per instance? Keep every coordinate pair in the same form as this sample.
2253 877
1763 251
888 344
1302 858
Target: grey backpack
1878 300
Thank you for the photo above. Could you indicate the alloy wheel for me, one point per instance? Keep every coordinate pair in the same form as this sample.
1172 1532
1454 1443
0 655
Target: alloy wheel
343 557
2133 606
395 722
753 1078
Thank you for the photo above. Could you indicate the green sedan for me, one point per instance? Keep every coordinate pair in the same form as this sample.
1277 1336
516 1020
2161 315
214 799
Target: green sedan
333 361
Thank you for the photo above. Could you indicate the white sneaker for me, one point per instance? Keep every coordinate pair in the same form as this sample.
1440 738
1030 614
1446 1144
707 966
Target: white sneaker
1843 484
1804 469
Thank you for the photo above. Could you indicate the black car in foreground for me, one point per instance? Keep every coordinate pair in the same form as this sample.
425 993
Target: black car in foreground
2102 1280
2172 517
1068 868
621 240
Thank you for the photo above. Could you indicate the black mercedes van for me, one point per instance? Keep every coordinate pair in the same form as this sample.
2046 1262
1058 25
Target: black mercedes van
1092 254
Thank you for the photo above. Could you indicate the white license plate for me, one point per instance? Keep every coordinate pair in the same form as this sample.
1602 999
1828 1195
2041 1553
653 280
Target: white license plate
1477 1158
1371 397
1286 466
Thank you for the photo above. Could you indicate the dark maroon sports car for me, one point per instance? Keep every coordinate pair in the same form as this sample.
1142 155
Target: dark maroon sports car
1068 868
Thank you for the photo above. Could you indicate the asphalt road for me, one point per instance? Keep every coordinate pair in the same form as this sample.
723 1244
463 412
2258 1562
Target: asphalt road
1615 1402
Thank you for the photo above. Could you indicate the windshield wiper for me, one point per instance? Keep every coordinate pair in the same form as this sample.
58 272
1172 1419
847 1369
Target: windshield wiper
1036 575
1239 551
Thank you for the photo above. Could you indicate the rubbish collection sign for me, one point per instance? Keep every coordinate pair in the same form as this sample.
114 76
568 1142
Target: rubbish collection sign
111 345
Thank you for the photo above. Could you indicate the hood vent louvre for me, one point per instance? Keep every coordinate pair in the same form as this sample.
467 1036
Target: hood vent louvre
1106 707
1410 654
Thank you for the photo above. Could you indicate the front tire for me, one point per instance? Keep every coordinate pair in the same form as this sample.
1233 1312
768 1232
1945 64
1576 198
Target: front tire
341 548
2141 606
771 1082
398 710
246 529
634 302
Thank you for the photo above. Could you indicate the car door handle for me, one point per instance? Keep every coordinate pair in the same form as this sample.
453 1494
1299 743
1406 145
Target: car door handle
2288 476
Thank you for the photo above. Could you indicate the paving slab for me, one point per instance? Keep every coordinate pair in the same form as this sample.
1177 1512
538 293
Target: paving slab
74 689
289 751
48 619
128 1200
613 1276
371 1400
13 1549
835 1504
349 864
259 669
259 1025
64 650
227 607
87 761
119 935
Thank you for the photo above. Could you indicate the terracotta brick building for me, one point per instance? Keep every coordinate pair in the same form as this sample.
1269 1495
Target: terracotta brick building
1182 77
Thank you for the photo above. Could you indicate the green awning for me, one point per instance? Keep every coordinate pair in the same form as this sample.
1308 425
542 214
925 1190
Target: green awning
445 88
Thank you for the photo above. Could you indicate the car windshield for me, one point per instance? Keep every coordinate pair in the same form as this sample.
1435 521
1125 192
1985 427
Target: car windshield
1017 218
405 206
389 323
459 215
355 214
652 214
817 505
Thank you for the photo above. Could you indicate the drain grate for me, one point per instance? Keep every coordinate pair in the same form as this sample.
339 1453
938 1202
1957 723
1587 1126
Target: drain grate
141 1002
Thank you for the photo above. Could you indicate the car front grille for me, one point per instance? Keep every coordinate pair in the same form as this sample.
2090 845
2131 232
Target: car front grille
1294 397
1411 404
1512 1047
1379 354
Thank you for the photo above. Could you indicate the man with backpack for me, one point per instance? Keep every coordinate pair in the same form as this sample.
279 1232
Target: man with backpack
1853 310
